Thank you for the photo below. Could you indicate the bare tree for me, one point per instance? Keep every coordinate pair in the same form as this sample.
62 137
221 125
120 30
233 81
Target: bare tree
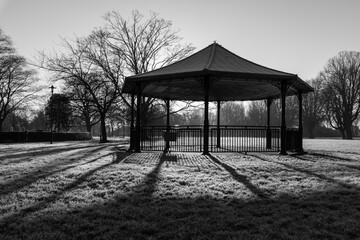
145 44
256 114
342 91
96 64
232 113
17 80
89 67
6 44
83 108
109 65
313 107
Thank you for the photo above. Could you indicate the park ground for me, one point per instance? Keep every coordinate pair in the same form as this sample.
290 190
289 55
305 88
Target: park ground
87 190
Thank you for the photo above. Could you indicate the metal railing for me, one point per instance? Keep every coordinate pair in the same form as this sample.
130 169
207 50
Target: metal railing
231 138
181 139
245 139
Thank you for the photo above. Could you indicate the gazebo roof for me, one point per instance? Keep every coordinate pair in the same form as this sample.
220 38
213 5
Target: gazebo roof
231 78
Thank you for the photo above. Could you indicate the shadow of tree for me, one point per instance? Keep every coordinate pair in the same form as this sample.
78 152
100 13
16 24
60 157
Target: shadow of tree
53 197
327 156
350 162
20 157
47 170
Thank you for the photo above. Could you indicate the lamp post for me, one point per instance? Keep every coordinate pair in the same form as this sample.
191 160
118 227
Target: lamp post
51 113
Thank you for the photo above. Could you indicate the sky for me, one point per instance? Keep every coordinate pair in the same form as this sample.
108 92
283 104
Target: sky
293 36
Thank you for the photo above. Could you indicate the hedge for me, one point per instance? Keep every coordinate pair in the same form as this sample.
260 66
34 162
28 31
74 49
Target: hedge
18 137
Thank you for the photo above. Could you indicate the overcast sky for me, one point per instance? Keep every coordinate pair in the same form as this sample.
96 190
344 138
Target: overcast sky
292 36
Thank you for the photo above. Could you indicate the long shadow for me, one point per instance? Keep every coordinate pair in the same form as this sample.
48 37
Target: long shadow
323 215
328 156
331 214
52 150
45 171
240 178
308 172
13 149
148 185
336 158
53 197
302 158
16 146
20 157
350 166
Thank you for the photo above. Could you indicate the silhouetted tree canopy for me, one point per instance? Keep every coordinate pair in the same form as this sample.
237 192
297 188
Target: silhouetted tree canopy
59 112
17 80
232 113
341 78
145 44
94 67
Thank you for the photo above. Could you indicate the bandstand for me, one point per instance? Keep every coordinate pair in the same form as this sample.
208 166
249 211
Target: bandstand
214 74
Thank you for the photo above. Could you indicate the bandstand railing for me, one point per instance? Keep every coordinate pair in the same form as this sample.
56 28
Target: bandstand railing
182 139
245 139
226 139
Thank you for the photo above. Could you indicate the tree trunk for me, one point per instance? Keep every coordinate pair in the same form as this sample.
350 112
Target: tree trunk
347 125
103 138
348 133
88 125
342 133
1 131
112 128
87 122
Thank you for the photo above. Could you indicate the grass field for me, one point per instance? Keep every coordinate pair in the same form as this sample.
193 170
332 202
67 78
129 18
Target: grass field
84 190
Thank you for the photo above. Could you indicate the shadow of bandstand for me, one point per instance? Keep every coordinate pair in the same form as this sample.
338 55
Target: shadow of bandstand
192 160
140 215
201 162
242 179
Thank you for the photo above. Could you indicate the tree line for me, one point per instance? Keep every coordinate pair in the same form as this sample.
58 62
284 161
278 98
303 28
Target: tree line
92 69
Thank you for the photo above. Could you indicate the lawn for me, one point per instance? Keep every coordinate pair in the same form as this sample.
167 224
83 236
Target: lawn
86 190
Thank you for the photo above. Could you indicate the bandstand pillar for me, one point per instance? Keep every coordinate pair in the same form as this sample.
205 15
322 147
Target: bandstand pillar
206 115
300 150
283 118
268 130
138 120
167 146
132 127
218 125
